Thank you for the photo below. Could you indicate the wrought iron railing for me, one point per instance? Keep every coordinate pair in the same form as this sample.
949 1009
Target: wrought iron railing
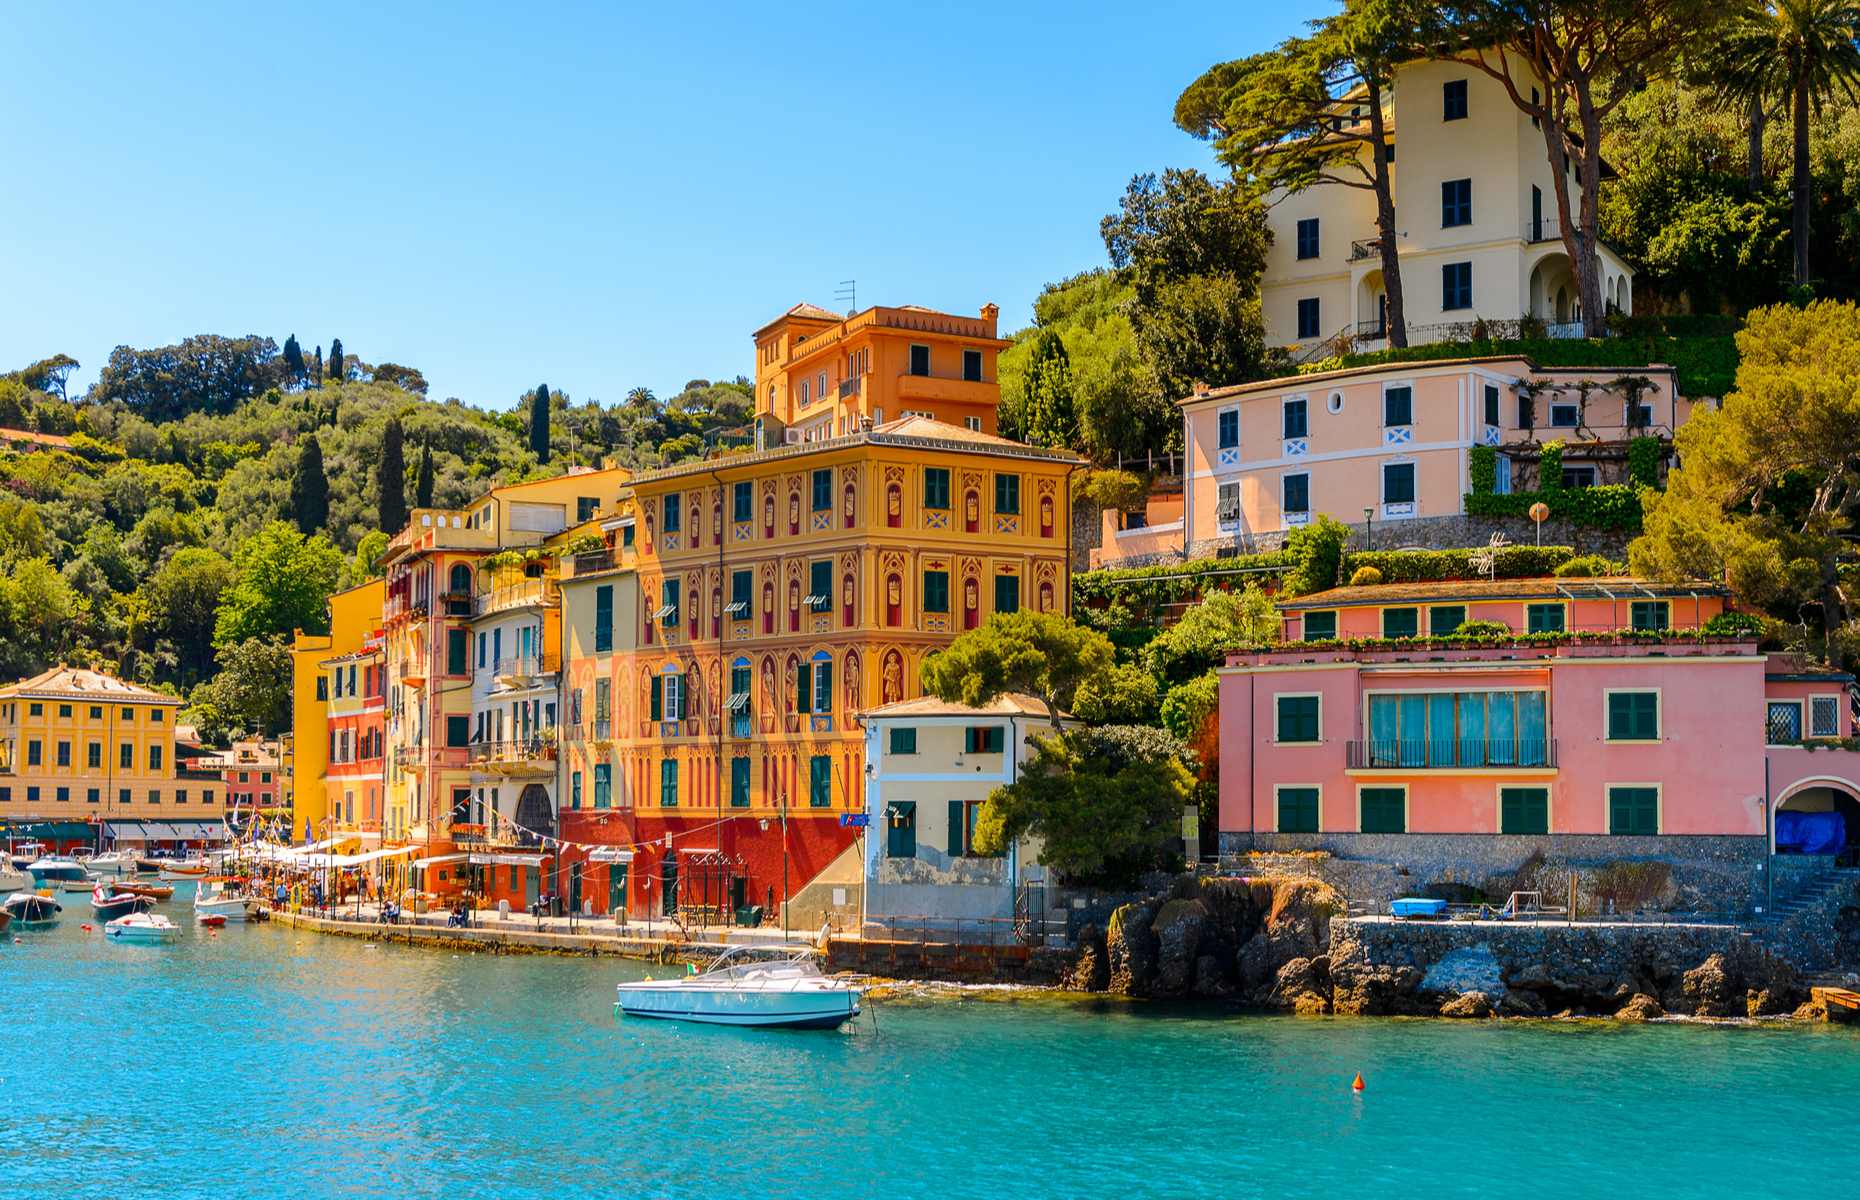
1396 754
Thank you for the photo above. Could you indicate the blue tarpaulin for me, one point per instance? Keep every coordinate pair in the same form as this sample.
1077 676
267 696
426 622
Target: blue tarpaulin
1810 832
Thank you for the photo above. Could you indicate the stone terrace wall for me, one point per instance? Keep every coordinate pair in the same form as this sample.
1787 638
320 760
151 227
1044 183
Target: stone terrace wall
1708 874
1441 533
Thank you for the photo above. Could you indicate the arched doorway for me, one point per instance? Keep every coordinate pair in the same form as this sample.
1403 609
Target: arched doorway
535 815
1372 307
1553 294
1820 817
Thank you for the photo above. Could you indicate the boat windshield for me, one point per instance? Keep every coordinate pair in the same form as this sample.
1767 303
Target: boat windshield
756 962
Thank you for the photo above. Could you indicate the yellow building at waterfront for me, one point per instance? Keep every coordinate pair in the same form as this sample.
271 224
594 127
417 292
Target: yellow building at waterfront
81 746
354 618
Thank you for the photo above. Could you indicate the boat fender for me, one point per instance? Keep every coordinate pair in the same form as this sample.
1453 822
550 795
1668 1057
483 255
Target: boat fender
1358 1085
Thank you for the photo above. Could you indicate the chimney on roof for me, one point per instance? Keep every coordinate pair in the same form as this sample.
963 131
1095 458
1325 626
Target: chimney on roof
1201 388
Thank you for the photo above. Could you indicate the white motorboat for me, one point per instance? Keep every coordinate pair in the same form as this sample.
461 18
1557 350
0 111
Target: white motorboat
740 988
78 886
214 900
14 879
54 870
142 927
113 862
30 908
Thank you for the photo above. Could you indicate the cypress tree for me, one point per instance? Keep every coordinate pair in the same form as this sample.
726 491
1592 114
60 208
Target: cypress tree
423 486
391 480
335 360
294 359
319 366
310 488
539 422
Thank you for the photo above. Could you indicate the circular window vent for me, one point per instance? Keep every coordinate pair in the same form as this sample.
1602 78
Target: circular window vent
1335 403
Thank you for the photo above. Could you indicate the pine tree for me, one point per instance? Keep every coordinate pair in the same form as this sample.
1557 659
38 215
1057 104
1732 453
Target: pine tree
391 480
539 422
423 486
294 359
310 488
335 361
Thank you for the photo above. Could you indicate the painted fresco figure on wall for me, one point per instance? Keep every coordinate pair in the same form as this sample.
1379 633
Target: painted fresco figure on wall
848 610
971 602
794 606
768 511
696 522
891 684
849 510
766 701
694 594
1046 516
854 685
794 513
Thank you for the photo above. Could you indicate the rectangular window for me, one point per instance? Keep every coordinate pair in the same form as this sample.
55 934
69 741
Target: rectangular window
820 781
1007 593
1524 810
742 501
35 753
822 490
1824 716
154 795
1308 238
1401 622
1782 724
603 785
1007 493
1308 319
1384 809
626 536
1298 720
1564 416
739 781
1294 421
64 710
1455 203
125 756
674 695
93 756
742 584
1456 286
1398 405
823 685
936 591
458 731
820 585
972 365
1398 483
35 709
154 760
901 829
668 783
457 650
1633 716
1227 429
64 754
936 487
95 796
1443 619
920 360
672 517
1491 404
903 740
983 739
669 597
1298 810
574 789
62 794
603 618
1650 614
1320 626
1296 490
1543 618
1634 811
585 508
1453 100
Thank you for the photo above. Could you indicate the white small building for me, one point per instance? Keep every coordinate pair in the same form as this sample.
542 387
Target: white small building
930 766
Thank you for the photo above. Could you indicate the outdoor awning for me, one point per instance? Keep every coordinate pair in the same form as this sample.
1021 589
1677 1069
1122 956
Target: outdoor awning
437 860
610 854
318 862
156 831
212 831
51 829
125 831
483 859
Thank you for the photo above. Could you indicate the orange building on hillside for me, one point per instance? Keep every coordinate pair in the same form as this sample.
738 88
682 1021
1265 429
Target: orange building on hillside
822 375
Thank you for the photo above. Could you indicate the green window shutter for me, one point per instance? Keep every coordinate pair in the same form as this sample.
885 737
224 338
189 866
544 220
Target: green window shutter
1298 810
574 790
1383 810
1320 626
1443 619
803 694
820 781
1298 718
1524 810
1634 811
901 829
657 700
903 740
603 618
455 651
739 782
823 685
1543 618
1401 622
1650 615
820 584
1633 716
956 840
1007 593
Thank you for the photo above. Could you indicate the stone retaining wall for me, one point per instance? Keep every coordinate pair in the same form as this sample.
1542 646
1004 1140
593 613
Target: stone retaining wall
1708 874
1438 533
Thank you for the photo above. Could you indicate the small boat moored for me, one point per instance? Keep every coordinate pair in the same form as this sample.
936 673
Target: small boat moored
30 908
739 988
58 870
211 920
110 906
13 879
142 927
154 891
176 872
213 899
113 862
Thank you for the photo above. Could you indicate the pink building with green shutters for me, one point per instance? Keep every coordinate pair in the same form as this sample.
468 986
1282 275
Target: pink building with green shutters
1610 725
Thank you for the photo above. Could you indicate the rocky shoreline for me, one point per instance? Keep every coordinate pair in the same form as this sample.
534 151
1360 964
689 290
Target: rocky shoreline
1288 945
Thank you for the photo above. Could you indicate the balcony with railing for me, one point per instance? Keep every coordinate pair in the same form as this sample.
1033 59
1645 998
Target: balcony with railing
592 564
1366 248
520 670
519 756
415 757
1453 753
518 593
1542 229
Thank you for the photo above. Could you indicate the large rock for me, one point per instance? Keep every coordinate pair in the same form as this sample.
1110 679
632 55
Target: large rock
1744 981
1178 927
1210 978
1130 949
1302 985
1641 1007
1474 1005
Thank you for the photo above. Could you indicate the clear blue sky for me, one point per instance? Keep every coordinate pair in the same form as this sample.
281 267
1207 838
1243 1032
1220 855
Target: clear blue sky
594 196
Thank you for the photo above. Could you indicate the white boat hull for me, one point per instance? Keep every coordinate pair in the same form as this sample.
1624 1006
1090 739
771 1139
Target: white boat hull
824 1007
141 927
231 909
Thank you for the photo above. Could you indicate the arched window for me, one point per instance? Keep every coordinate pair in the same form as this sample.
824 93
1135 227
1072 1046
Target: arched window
461 579
741 700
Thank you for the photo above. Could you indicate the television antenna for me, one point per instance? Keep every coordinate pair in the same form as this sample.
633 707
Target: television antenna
848 294
1485 562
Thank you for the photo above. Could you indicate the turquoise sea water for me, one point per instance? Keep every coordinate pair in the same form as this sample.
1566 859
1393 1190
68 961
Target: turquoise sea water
268 1062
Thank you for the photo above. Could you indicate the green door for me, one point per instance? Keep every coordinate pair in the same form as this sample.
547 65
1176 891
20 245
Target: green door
532 885
616 887
574 887
668 884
